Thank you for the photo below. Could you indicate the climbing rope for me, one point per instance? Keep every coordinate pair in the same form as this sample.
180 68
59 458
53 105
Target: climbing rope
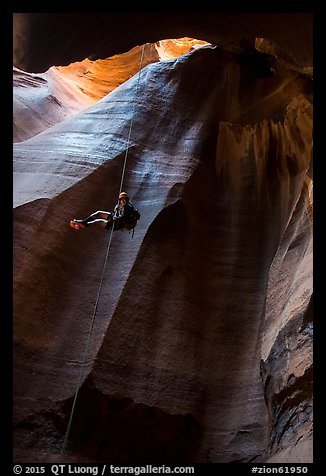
63 450
131 123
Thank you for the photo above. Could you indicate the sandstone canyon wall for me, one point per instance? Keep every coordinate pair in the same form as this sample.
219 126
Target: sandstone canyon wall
201 347
45 99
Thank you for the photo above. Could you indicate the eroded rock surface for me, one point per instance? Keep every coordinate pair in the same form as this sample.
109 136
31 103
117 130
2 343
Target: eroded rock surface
202 309
45 99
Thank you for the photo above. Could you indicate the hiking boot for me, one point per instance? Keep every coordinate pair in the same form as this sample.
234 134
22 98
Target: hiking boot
77 224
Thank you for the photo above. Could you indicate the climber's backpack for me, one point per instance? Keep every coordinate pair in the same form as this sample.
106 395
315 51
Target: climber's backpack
132 219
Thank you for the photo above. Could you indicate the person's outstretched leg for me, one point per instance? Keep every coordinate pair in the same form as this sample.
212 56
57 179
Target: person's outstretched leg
99 217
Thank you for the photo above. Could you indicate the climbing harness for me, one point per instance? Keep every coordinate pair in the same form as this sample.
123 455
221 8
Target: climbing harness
63 450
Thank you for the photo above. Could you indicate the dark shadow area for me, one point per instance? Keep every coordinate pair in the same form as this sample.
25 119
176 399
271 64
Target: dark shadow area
122 431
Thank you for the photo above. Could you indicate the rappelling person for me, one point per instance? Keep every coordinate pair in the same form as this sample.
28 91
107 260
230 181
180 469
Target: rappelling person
124 215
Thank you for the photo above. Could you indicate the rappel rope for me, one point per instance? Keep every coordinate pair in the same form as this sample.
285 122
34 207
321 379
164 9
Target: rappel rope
131 122
63 450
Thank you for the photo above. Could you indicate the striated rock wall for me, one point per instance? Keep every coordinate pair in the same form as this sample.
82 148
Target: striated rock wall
42 100
45 99
196 351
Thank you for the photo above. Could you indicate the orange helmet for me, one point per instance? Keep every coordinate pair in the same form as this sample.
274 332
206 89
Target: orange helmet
123 195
